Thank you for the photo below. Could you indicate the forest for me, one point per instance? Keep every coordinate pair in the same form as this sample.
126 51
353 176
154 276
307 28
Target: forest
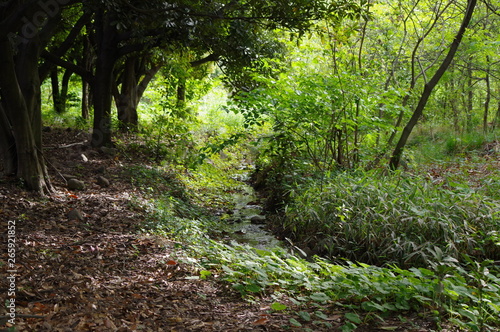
250 165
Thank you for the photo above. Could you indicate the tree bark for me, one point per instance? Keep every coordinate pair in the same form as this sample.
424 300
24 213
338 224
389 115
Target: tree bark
469 107
134 80
86 64
127 100
107 46
7 144
488 96
20 96
398 151
60 93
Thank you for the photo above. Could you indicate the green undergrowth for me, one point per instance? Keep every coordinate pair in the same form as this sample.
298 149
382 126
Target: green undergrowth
428 144
446 292
394 219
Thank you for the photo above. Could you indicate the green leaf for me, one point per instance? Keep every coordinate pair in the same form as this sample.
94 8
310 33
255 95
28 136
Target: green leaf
204 274
262 252
192 278
253 288
278 306
304 315
321 315
295 323
372 306
319 297
348 327
353 317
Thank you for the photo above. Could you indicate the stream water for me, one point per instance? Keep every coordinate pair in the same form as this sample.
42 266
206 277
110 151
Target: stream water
247 222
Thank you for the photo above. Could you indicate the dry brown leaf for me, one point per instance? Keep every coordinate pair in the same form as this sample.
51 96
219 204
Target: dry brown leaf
261 321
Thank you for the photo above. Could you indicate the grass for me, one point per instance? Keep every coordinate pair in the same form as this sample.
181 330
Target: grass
394 219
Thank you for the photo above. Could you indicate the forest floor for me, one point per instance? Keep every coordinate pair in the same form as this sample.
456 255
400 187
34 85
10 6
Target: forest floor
96 272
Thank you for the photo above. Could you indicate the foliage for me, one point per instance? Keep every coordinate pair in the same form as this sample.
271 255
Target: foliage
367 292
467 294
320 119
381 219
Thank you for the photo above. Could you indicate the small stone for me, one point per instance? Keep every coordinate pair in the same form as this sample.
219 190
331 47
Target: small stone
84 157
75 214
102 181
75 184
92 154
68 177
109 151
258 219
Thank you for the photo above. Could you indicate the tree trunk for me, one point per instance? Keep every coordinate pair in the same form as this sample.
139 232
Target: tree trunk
60 97
398 151
127 100
7 144
470 96
181 92
107 44
496 121
132 88
86 99
56 97
488 96
87 65
21 106
101 98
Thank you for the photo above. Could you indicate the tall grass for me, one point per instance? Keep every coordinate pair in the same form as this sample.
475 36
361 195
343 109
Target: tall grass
395 219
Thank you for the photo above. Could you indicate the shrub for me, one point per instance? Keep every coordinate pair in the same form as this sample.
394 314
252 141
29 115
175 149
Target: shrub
391 219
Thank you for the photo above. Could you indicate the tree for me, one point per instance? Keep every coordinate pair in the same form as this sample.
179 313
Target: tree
115 29
25 29
125 27
429 86
131 82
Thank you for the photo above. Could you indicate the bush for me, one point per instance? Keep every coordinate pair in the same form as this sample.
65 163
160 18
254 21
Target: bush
393 219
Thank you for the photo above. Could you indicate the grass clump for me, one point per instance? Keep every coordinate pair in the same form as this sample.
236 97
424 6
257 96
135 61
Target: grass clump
395 219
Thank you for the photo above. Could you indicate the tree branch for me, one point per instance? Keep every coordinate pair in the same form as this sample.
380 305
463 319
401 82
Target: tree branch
85 74
211 58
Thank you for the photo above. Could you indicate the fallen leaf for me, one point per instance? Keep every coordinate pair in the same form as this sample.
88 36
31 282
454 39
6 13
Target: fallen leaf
261 321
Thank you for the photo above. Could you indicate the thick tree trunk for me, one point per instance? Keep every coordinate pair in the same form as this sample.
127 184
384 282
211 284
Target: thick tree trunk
398 151
56 97
20 96
7 144
87 65
127 100
134 80
101 98
60 93
107 44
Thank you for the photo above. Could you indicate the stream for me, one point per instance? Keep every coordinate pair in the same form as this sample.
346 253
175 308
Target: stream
246 224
